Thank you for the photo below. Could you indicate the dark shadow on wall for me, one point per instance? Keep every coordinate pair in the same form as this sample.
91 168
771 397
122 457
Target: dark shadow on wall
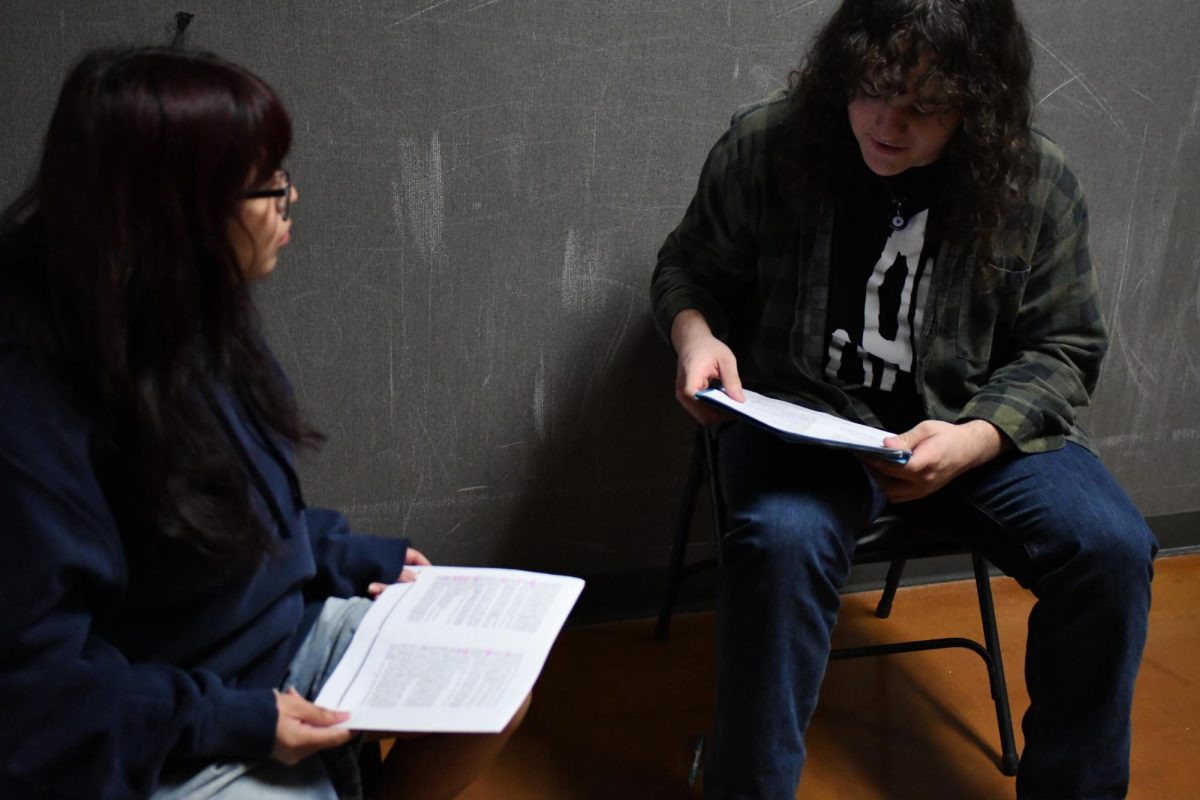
603 487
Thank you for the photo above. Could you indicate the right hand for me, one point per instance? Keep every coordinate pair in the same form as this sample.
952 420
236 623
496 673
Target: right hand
703 358
304 728
412 558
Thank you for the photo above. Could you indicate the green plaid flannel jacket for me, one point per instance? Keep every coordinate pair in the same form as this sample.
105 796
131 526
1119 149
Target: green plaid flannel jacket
1016 341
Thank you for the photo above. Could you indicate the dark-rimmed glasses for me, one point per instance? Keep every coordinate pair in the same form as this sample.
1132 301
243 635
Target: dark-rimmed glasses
282 192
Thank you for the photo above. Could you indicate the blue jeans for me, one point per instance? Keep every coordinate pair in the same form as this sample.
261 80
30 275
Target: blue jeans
1057 522
312 778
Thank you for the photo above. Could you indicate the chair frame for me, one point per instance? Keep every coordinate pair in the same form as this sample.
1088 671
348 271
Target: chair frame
703 468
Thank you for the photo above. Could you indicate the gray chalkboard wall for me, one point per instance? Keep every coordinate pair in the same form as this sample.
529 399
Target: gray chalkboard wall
484 185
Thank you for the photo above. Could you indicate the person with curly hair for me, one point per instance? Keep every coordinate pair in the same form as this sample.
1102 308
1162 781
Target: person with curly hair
890 241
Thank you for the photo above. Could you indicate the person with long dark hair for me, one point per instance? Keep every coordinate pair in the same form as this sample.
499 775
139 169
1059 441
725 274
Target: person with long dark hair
890 241
171 605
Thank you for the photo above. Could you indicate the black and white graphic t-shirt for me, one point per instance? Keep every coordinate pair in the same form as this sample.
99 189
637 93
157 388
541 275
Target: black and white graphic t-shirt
881 274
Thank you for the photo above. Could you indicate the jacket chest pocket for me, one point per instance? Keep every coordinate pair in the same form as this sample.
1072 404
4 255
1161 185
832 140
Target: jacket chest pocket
988 299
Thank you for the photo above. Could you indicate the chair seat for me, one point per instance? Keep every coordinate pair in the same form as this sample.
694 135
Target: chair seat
892 536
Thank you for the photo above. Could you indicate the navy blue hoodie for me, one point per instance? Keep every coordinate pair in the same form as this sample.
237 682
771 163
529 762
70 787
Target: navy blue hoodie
112 667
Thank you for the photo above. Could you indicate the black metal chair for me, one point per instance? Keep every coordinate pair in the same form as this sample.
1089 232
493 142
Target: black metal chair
890 539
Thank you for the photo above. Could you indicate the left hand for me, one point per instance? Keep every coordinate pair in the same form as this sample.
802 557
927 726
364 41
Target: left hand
302 728
413 558
941 451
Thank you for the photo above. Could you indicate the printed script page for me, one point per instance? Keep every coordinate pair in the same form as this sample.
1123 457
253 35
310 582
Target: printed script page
799 421
456 650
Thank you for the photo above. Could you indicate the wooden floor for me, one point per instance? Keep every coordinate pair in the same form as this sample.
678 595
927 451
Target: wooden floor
615 713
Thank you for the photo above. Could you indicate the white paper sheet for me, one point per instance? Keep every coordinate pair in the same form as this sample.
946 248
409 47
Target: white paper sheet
803 424
456 650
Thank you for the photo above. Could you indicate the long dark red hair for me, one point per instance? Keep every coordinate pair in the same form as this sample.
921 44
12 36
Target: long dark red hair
120 270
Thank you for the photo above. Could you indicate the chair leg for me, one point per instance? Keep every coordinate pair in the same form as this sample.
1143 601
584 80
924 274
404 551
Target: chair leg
683 532
890 586
709 435
1009 759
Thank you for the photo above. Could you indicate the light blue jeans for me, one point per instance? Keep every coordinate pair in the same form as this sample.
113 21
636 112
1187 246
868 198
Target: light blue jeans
269 779
1057 522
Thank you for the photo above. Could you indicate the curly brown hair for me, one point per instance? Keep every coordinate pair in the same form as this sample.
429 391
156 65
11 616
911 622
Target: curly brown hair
979 64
